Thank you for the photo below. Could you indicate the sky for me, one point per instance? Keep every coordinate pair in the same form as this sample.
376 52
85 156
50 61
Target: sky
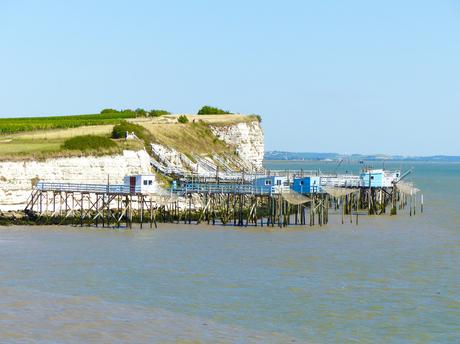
326 76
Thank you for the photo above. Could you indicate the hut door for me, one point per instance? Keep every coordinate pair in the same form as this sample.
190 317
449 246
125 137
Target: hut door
132 185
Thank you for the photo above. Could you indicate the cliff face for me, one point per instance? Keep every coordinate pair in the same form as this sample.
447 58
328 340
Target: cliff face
248 140
17 177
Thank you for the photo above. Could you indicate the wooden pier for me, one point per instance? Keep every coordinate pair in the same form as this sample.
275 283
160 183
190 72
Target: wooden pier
212 203
91 204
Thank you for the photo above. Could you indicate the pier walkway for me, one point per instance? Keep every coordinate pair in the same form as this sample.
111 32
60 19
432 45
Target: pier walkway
228 188
88 188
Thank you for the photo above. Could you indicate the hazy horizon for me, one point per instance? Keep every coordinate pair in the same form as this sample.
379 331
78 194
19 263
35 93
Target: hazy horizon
362 154
325 76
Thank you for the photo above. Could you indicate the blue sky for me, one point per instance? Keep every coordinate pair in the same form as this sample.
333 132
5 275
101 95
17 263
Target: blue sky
341 76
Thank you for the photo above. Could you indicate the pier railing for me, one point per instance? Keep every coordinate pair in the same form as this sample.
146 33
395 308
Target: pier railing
92 188
228 189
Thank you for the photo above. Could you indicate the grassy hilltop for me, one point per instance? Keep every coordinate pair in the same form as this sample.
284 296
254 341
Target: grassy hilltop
79 135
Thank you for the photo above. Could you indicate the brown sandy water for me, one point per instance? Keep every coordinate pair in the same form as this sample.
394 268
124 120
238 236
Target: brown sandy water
388 280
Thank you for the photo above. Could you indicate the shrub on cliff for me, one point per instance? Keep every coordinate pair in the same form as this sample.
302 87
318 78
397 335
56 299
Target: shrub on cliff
210 110
89 142
119 130
182 119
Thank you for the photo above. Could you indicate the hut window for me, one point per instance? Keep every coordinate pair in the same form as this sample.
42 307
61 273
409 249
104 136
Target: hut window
278 182
150 182
372 177
268 182
301 182
145 182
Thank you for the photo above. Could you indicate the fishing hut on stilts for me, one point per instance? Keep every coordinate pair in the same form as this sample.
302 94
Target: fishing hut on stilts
276 199
105 205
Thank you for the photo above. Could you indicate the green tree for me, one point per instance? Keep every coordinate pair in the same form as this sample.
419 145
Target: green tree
210 110
108 110
140 112
128 111
158 113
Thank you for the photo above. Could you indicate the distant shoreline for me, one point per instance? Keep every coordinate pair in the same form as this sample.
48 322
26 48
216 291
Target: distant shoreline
357 161
327 157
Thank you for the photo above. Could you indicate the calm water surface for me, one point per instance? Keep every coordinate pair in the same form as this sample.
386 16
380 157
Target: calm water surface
388 280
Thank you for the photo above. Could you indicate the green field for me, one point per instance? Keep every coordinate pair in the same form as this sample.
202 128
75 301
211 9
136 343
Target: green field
15 125
46 137
39 149
32 146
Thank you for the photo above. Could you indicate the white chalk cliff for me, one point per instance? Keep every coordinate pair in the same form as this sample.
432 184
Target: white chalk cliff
248 138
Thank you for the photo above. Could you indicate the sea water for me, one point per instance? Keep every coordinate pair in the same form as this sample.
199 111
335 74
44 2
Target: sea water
387 280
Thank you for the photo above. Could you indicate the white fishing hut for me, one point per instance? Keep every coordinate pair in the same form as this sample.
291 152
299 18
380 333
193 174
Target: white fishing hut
141 183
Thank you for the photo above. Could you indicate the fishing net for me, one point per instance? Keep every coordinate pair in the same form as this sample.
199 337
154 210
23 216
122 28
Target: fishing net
339 192
407 188
295 198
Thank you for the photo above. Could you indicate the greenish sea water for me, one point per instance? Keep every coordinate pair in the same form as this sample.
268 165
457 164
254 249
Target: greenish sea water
388 280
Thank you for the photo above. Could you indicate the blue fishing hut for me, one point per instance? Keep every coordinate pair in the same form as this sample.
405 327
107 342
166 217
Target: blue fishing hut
306 185
378 178
270 183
